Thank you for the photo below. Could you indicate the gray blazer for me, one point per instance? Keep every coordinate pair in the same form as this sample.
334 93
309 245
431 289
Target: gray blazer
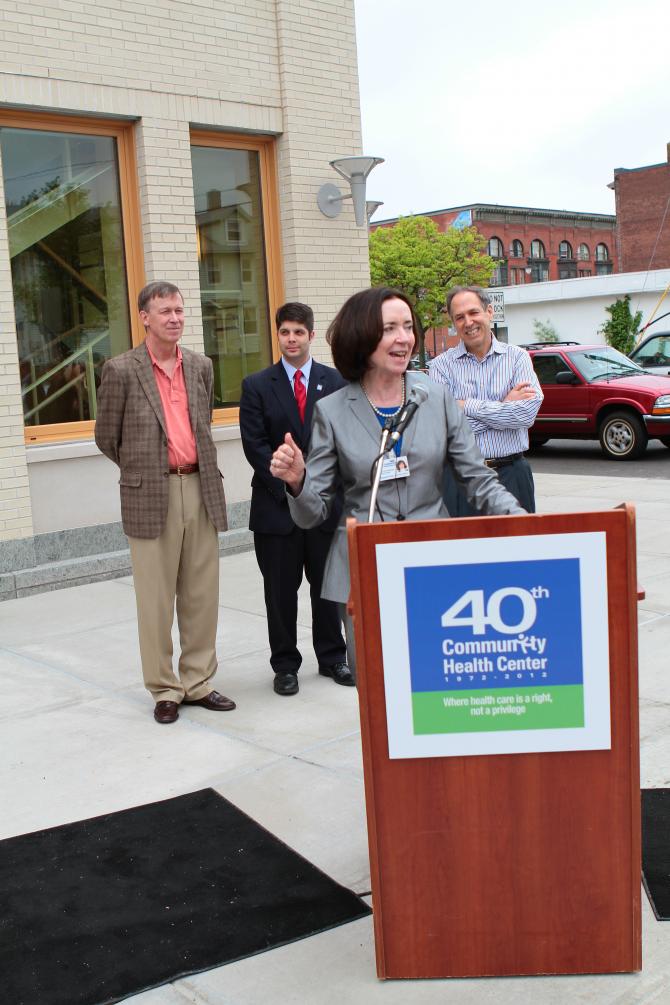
345 442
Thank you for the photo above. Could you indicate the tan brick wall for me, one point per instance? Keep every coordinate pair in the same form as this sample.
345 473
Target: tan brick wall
324 260
202 48
285 68
168 213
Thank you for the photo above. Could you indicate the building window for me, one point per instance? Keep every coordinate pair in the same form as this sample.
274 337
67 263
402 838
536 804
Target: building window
211 264
499 277
239 281
233 234
603 264
516 250
537 249
247 268
583 254
583 273
565 250
250 321
539 272
70 272
495 248
567 270
518 277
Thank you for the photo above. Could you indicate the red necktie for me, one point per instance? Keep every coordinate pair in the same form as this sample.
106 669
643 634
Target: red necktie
300 394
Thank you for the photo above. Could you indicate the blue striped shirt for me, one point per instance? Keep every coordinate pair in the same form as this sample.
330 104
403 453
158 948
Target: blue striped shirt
500 427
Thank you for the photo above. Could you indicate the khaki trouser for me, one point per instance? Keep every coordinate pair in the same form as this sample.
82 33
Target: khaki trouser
182 563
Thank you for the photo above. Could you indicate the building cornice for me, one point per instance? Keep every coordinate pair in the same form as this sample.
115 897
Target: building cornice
483 211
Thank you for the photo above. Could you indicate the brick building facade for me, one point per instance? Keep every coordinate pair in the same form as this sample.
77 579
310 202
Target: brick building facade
643 216
534 245
171 141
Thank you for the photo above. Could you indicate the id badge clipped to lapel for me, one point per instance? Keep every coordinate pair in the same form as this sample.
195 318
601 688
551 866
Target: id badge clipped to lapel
394 467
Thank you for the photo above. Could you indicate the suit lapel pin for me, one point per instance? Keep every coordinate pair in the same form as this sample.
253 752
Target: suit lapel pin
319 387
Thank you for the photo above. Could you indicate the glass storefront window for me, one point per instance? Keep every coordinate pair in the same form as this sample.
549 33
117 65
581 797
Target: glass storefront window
231 252
67 256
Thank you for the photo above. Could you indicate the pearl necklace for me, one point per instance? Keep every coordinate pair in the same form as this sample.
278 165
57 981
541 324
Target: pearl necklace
378 411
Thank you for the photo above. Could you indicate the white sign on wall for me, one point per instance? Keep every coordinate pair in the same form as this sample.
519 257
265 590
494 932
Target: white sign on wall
497 298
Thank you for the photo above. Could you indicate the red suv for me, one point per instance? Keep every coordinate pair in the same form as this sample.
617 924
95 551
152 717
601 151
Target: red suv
594 392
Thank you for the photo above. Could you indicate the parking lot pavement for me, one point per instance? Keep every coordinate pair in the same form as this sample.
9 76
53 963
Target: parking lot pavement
584 457
79 740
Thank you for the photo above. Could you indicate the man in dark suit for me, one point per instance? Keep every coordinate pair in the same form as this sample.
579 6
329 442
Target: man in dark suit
275 401
153 420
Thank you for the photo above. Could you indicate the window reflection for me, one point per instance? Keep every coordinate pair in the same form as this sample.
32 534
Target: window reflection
233 289
68 268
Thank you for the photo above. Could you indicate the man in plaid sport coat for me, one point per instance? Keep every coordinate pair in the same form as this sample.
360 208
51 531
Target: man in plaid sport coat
153 420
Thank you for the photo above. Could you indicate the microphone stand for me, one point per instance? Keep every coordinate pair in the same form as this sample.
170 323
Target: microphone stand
377 465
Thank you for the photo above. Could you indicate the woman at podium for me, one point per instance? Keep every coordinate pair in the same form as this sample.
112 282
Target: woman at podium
372 341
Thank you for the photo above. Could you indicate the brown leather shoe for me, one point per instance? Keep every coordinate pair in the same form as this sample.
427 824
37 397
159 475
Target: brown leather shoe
214 701
166 711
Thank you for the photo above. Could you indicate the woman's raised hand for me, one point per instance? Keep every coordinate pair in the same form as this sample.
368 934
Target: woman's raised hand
288 463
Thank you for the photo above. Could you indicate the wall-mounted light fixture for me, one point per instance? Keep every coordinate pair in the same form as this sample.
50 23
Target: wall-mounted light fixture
371 207
355 170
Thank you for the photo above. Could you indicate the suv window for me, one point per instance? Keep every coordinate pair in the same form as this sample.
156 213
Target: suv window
546 367
655 352
595 364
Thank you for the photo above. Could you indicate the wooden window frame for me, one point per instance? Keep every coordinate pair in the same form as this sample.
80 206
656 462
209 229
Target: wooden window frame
123 133
265 147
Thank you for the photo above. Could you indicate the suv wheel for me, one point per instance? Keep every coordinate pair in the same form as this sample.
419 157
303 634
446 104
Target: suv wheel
665 440
623 436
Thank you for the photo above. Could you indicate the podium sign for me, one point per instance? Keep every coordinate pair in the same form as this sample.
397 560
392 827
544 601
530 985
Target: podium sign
497 676
484 650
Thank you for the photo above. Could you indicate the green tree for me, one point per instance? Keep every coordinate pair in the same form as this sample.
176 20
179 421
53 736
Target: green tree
416 257
544 331
622 327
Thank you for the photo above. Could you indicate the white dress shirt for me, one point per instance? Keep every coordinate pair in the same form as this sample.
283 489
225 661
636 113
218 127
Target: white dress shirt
292 370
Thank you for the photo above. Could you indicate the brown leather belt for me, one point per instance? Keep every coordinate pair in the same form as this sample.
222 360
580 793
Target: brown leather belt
501 462
185 469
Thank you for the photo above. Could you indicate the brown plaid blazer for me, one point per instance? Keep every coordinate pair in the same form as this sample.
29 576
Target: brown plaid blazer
130 430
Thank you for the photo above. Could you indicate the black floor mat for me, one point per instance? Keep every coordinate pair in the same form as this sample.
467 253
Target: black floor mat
656 849
101 909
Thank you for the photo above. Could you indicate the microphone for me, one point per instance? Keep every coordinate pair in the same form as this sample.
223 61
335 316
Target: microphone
418 394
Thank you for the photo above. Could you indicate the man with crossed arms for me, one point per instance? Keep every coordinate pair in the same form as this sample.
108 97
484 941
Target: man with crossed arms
154 421
495 385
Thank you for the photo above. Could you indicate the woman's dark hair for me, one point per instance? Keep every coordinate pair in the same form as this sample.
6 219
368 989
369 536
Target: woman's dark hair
356 331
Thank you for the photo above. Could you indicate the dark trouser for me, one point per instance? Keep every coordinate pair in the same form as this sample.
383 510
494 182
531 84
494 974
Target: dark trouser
348 623
282 559
516 477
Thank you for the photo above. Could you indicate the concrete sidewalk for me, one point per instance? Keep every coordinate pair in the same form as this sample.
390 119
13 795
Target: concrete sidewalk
79 740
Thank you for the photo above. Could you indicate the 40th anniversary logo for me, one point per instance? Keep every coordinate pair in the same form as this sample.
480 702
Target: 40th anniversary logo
495 645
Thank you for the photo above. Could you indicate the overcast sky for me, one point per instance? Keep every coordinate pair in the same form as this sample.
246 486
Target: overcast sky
523 103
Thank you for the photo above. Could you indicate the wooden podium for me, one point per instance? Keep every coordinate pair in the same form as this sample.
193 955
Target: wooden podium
504 864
